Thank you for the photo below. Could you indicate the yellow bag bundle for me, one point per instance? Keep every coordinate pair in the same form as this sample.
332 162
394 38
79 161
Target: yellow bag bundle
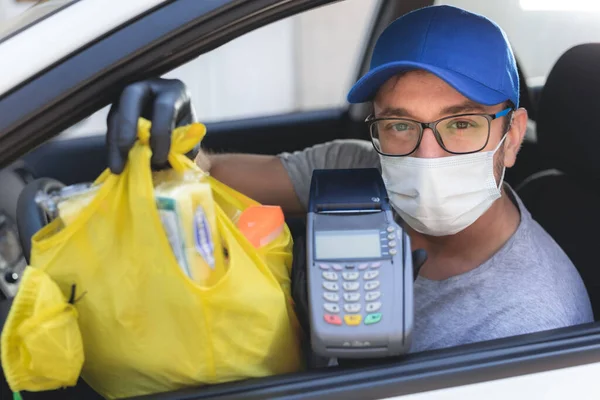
121 298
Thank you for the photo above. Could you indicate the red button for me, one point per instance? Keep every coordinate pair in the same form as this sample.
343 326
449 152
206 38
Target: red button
333 319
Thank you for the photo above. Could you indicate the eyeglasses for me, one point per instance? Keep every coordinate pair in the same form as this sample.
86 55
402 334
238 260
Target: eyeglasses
457 134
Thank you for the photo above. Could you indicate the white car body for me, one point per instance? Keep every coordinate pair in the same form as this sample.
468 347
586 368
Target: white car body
70 29
83 22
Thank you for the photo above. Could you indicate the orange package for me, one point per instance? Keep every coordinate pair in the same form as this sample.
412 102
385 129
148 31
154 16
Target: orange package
261 224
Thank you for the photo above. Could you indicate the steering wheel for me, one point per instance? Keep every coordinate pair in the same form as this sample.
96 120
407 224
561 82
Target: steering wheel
30 216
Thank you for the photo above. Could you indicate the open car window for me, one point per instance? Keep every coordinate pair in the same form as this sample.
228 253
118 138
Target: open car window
306 62
303 63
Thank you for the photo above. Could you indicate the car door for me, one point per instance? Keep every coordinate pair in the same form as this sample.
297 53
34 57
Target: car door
184 29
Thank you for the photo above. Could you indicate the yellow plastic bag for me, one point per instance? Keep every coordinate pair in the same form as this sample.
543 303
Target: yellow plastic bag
145 326
42 335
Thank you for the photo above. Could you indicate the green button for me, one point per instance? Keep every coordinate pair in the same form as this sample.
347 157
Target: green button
373 318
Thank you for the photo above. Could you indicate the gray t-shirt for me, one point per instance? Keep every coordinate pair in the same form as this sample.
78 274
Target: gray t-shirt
529 285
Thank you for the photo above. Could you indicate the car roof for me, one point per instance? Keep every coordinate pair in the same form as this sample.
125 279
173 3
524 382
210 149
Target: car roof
50 31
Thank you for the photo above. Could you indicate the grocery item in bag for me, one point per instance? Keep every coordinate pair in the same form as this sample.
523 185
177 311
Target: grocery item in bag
186 209
261 224
185 205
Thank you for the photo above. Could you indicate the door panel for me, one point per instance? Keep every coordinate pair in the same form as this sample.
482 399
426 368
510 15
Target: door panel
68 161
83 159
273 135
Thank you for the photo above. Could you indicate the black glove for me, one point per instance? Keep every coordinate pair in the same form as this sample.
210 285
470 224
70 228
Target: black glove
165 102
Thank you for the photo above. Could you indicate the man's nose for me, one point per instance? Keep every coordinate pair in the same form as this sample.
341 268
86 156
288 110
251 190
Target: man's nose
429 147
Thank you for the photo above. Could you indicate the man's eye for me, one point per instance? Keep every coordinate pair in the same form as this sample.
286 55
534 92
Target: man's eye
461 124
398 127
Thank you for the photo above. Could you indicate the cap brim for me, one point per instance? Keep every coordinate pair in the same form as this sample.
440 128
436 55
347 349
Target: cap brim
367 86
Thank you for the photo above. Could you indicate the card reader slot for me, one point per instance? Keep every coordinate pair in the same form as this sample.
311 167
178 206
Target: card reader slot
356 207
349 211
355 350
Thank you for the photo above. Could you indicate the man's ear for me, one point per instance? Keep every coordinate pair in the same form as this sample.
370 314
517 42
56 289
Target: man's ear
514 136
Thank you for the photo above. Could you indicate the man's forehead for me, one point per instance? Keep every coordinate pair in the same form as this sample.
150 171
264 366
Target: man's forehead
406 94
415 78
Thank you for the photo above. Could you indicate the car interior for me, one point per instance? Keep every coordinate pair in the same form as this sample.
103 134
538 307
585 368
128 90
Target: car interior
562 197
555 174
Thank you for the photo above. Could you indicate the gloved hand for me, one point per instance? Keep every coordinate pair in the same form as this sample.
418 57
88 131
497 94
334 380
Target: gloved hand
164 102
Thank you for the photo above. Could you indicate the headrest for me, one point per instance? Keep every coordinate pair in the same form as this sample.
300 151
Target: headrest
568 120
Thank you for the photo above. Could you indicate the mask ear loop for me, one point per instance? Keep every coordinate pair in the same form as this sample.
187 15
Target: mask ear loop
500 144
501 178
503 167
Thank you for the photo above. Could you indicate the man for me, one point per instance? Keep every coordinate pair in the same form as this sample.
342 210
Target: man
444 88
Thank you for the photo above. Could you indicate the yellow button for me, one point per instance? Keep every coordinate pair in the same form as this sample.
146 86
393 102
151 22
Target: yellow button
352 319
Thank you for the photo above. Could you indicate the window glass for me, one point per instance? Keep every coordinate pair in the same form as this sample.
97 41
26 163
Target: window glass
305 62
540 31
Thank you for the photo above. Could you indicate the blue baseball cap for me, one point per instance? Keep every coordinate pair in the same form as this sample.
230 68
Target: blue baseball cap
468 51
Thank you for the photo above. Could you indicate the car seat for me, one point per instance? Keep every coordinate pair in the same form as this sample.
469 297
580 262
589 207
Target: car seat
565 199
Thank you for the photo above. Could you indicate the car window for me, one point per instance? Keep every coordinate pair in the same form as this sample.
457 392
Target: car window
302 63
540 30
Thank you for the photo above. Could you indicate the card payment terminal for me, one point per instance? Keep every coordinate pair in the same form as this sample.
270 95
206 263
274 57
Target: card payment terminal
360 274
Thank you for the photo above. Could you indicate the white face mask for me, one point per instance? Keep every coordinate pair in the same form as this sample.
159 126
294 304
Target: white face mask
441 196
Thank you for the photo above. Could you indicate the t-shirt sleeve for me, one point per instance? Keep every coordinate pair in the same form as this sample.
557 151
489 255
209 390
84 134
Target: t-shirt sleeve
337 154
